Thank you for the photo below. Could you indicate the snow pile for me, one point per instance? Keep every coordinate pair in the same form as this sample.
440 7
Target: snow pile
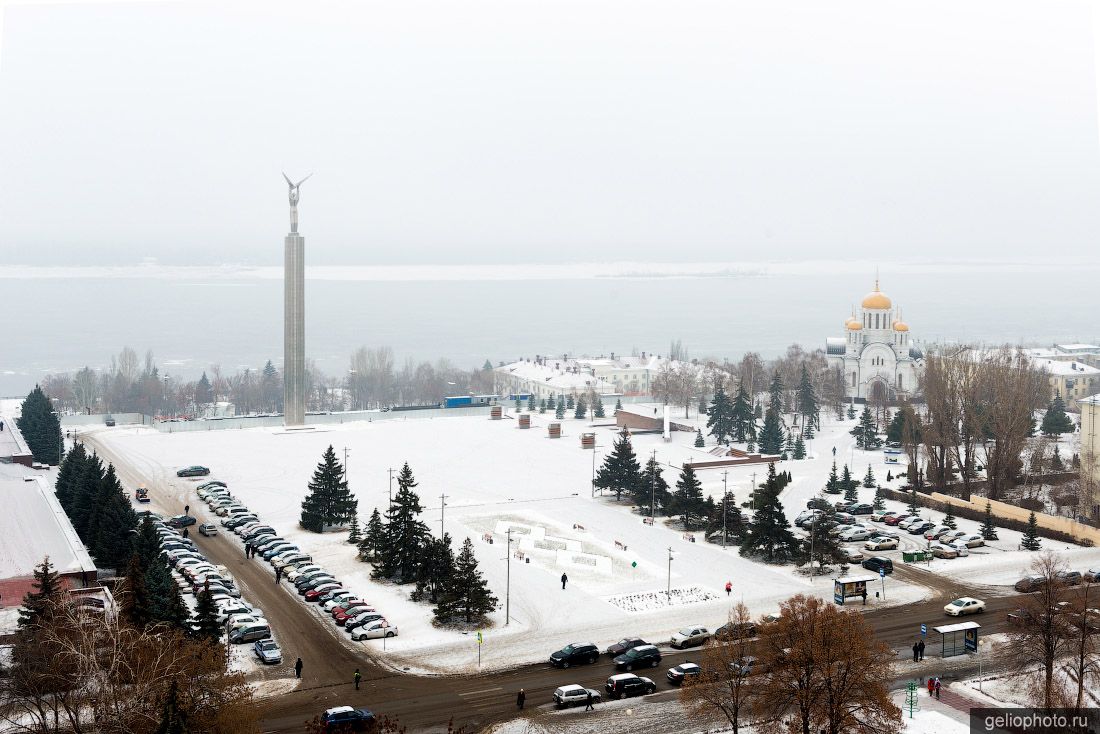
650 600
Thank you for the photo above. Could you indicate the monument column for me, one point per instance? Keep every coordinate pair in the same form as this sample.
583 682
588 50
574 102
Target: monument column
294 317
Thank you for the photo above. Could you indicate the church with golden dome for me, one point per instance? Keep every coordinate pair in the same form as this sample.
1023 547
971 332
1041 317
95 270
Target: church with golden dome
876 355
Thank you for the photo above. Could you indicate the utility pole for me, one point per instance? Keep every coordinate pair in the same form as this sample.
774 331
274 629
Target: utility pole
391 486
508 583
668 589
442 508
346 452
653 487
725 507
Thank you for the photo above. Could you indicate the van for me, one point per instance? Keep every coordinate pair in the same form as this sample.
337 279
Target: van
878 563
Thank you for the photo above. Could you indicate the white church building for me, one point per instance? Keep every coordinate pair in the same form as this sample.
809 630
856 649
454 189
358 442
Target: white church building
877 355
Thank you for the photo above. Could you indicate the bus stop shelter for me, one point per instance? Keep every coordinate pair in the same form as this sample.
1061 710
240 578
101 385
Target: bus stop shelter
851 586
959 639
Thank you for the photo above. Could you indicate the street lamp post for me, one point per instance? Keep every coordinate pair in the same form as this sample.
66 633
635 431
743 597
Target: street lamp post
442 509
391 487
653 487
668 588
595 450
725 507
508 583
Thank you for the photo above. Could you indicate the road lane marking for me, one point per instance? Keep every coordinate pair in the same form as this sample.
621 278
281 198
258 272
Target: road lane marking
485 690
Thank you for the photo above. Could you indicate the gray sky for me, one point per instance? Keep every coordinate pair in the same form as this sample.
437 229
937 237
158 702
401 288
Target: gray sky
547 131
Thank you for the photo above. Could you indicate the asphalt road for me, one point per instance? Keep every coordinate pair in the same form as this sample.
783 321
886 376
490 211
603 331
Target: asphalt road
430 703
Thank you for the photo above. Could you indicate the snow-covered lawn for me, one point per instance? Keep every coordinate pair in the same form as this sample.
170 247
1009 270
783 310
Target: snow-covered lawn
496 476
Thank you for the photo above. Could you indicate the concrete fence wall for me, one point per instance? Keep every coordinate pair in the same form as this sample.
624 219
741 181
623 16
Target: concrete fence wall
1006 511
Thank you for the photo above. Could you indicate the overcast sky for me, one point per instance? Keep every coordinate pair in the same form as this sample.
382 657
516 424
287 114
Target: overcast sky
546 131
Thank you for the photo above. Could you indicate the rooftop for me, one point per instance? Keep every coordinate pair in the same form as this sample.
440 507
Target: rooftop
33 526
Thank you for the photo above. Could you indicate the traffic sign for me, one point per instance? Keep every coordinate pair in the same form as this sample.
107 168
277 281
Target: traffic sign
633 564
923 630
882 573
480 639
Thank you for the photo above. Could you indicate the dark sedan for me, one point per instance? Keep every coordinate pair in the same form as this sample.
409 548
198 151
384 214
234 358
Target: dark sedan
181 521
682 672
625 644
193 471
575 654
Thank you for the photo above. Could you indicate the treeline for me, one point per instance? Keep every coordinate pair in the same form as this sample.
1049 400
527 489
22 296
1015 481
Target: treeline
99 510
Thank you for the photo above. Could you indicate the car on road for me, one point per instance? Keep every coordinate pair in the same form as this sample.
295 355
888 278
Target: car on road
939 550
639 657
855 533
374 630
684 671
964 605
627 685
268 652
208 529
878 563
578 653
1069 578
878 542
735 631
193 471
690 637
181 521
342 719
250 633
624 645
141 494
1029 584
574 695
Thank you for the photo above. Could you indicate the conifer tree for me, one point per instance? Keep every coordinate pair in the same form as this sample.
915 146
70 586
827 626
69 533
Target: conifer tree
531 403
687 500
865 433
699 442
203 392
68 477
467 595
329 502
949 517
618 404
112 524
85 493
820 547
1055 420
373 537
135 603
406 536
355 533
720 416
879 503
833 485
165 602
437 567
652 491
808 404
1056 463
734 521
869 478
559 411
799 452
702 405
771 436
620 471
599 411
41 429
788 447
905 421
173 720
570 401
1031 540
851 494
39 604
519 403
582 408
989 530
851 410
742 423
542 406
914 504
769 536
206 615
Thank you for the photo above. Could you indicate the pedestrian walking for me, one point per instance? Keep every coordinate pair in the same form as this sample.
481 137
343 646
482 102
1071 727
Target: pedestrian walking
185 533
588 701
298 668
520 698
729 588
247 550
358 677
1 426
920 650
186 509
937 689
931 685
278 575
916 652
564 578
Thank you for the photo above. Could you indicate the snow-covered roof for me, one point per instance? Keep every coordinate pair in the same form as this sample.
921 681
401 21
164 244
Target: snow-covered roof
1078 347
1090 400
559 379
1061 367
33 526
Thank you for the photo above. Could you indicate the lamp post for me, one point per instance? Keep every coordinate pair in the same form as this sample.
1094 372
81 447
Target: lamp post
508 583
725 507
346 452
391 487
442 509
668 588
653 487
595 450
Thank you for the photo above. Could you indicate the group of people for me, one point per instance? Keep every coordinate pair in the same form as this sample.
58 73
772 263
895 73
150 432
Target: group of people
934 687
918 651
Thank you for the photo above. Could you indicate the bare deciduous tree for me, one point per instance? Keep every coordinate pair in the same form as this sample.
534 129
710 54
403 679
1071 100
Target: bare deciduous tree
722 685
1043 633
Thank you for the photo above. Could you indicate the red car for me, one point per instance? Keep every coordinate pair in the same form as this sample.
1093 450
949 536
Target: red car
315 594
895 519
342 606
351 612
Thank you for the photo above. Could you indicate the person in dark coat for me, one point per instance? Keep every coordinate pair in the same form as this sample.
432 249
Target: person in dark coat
937 689
916 652
298 668
564 578
247 550
920 650
520 698
187 509
358 678
588 702
185 533
278 575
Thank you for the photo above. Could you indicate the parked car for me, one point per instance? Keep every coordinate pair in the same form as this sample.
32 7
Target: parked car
690 637
682 672
936 531
920 528
346 719
290 558
852 534
960 549
249 634
909 521
638 657
965 605
339 599
896 519
745 666
953 535
312 584
375 630
268 652
208 529
625 644
212 483
939 550
1093 574
1029 584
880 543
574 695
1019 617
881 515
627 685
350 608
819 503
807 516
577 653
878 563
193 471
842 505
298 571
362 619
735 630
1069 578
181 521
851 555
861 508
316 593
844 518
228 610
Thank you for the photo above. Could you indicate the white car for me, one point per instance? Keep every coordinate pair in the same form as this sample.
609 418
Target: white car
952 535
237 621
856 533
960 548
965 605
298 572
972 541
339 599
574 695
880 543
374 630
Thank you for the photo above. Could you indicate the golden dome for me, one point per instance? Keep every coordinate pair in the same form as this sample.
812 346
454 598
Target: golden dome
901 326
876 299
853 325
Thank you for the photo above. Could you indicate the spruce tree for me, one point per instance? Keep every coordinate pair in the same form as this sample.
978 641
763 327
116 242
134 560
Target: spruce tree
653 490
355 533
851 410
173 720
1031 534
989 530
799 448
865 433
570 401
165 602
914 504
879 503
769 535
437 567
542 406
687 500
373 538
599 412
113 524
618 405
720 416
467 595
1055 420
869 478
531 403
329 502
820 547
68 477
85 492
775 394
1056 463
771 436
702 405
135 603
206 615
620 471
742 425
559 411
582 408
699 442
41 429
40 603
146 543
406 536
203 392
851 494
519 403
808 404
788 447
833 485
949 518
734 521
